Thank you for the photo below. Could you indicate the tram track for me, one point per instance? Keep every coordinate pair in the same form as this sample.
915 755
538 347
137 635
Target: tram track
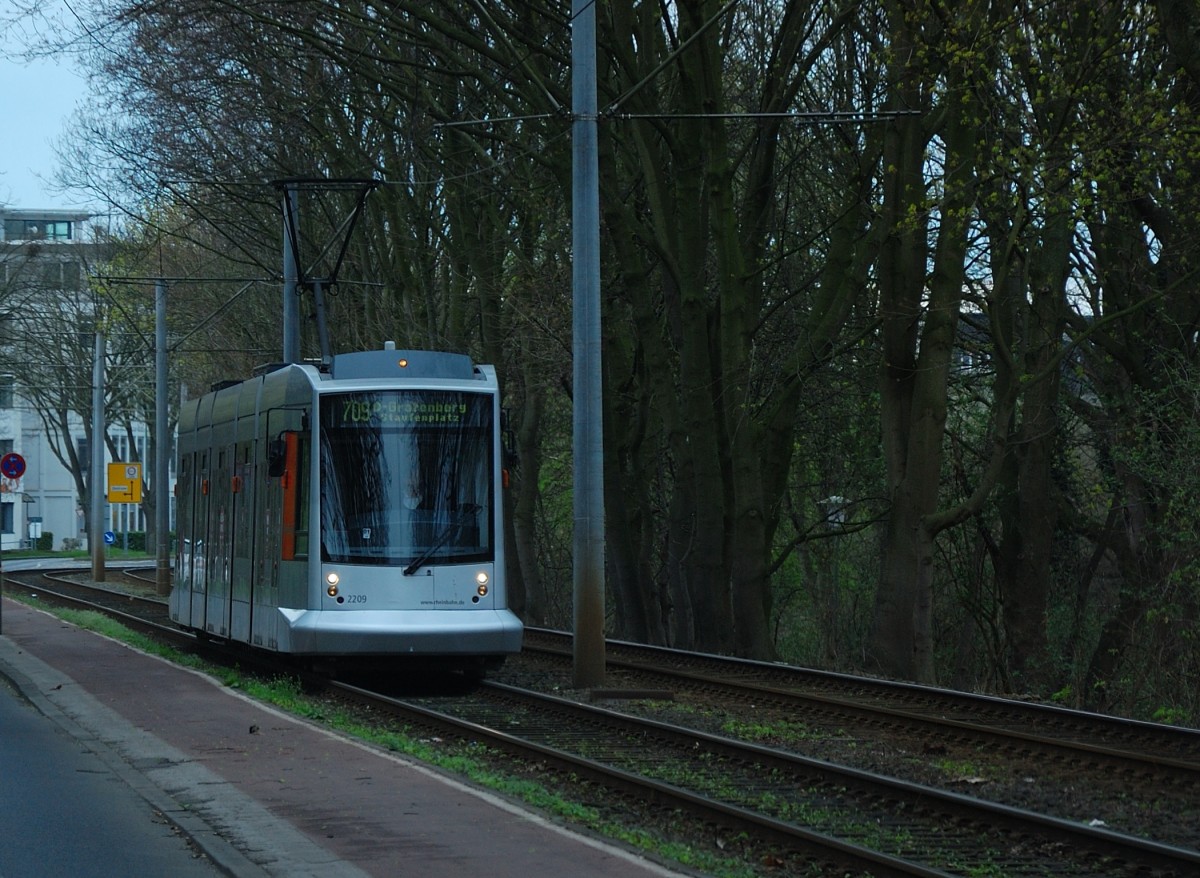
1147 787
795 849
1147 746
930 831
800 814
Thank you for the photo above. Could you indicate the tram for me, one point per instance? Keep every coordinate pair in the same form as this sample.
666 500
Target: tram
348 510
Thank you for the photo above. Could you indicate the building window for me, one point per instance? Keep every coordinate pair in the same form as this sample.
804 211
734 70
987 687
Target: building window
6 447
6 391
59 231
7 518
37 230
83 451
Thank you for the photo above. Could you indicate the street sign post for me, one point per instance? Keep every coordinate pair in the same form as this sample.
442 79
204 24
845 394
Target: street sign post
12 465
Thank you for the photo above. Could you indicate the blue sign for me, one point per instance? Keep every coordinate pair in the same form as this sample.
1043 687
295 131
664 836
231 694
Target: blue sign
110 537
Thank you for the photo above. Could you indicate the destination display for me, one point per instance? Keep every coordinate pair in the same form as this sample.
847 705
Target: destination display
401 409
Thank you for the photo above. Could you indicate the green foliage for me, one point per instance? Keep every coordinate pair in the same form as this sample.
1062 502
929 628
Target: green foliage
1064 696
1176 716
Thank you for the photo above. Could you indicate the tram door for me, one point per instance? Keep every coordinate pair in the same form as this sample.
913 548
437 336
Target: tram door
181 594
219 528
200 548
243 488
268 530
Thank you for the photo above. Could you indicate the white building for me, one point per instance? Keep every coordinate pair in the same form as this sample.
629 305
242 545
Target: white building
42 253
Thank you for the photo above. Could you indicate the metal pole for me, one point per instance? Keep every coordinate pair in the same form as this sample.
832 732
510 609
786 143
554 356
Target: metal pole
162 445
291 275
322 326
96 486
588 441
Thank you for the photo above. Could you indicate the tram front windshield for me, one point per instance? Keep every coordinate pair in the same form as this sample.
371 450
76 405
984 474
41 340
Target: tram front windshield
406 477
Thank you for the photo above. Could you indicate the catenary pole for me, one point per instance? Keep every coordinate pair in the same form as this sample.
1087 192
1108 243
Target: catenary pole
96 481
162 443
588 431
291 275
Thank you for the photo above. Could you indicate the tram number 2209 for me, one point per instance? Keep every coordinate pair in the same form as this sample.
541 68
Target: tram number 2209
356 598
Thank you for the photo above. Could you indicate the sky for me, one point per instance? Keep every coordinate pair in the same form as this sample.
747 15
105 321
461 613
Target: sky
36 103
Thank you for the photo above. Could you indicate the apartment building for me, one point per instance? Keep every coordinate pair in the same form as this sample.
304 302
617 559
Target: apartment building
46 345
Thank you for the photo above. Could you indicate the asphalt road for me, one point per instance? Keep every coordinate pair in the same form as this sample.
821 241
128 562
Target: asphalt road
63 803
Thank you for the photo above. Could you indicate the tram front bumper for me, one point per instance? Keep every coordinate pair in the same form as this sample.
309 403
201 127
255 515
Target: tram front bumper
400 632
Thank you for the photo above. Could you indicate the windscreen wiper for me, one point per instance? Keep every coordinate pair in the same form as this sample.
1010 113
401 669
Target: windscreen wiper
446 533
429 553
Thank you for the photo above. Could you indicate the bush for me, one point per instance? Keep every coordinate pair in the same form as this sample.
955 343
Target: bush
137 540
45 543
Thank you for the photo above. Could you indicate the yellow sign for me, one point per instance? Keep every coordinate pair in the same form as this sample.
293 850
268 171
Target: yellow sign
125 482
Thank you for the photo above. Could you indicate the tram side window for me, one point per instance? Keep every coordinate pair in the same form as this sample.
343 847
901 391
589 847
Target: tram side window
302 494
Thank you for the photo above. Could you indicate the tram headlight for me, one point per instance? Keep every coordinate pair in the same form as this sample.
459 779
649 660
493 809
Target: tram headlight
481 583
331 584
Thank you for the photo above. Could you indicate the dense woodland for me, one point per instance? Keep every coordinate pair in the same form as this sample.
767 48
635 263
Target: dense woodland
900 297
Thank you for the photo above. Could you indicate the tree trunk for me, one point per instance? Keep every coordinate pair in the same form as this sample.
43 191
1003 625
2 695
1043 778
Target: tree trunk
526 589
901 285
920 320
1028 498
629 484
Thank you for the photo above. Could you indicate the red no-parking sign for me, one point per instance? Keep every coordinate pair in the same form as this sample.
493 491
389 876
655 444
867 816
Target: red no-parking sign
12 465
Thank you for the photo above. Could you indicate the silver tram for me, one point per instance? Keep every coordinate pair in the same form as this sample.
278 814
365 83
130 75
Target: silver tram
348 511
